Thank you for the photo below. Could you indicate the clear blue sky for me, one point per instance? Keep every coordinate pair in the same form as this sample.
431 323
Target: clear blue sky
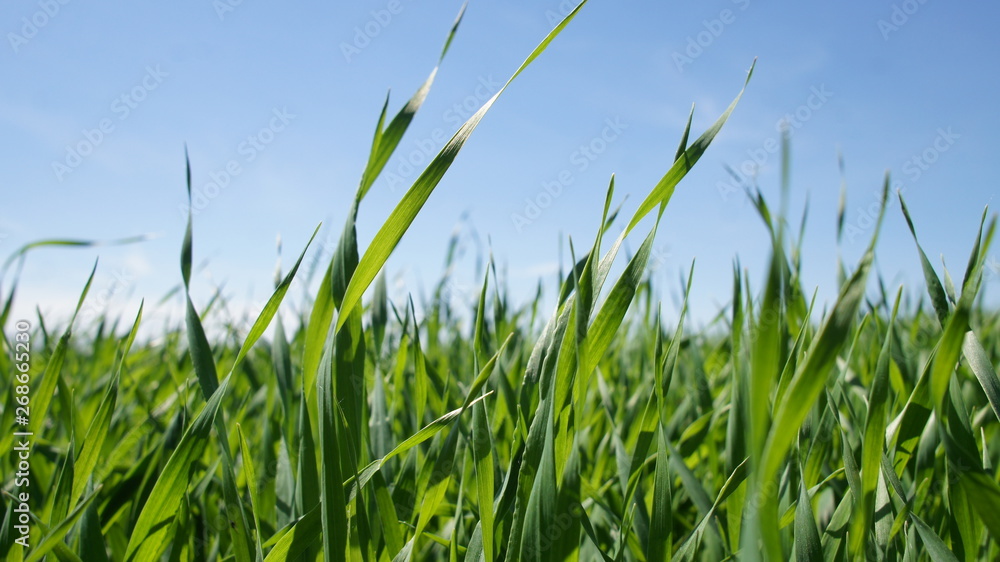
286 96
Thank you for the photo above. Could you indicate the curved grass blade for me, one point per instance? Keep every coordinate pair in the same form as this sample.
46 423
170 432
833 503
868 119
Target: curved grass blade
938 297
54 536
612 312
936 548
808 547
660 526
402 216
52 375
482 451
251 477
979 363
664 189
386 141
425 433
983 493
297 541
874 439
808 383
93 442
22 252
149 536
344 262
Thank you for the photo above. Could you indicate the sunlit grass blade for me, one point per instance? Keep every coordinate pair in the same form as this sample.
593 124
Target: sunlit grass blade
149 536
386 140
251 478
482 447
298 540
938 297
392 230
809 381
660 538
665 187
808 547
54 536
97 433
332 445
935 547
52 374
981 366
874 439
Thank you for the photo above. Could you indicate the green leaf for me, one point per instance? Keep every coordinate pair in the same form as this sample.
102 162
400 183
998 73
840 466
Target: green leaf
332 445
874 438
984 494
54 536
392 230
664 189
297 541
938 297
251 476
612 312
50 379
93 443
149 536
808 547
386 141
540 512
810 379
936 548
979 363
482 450
660 536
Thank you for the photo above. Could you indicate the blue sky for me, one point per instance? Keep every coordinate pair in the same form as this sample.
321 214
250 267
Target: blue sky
277 104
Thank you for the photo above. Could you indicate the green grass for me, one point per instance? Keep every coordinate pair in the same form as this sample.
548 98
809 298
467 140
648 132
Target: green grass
367 431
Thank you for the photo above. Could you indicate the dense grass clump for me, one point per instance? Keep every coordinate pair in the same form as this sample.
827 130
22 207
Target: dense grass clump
366 431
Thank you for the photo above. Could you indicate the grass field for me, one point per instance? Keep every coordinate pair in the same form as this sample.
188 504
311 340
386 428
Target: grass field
861 429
